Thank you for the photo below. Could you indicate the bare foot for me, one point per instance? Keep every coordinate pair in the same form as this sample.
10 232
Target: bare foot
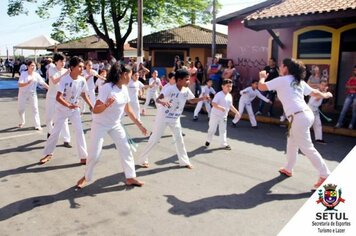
83 161
45 159
145 165
133 182
189 167
81 183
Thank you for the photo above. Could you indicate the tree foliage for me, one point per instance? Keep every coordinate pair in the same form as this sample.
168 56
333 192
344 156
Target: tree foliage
112 20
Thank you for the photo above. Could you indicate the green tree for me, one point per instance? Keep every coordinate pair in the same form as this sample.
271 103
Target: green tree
113 17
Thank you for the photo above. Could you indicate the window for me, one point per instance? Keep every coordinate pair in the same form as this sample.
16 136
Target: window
166 58
274 50
314 44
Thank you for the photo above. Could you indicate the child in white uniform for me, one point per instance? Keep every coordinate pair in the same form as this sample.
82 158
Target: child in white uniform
314 104
291 90
153 86
135 90
89 75
71 87
55 74
205 91
172 101
222 104
101 80
113 100
28 82
247 96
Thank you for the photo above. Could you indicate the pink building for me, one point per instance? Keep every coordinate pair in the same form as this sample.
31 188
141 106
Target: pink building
318 32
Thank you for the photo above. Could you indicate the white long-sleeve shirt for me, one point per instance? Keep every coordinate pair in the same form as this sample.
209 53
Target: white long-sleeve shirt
249 94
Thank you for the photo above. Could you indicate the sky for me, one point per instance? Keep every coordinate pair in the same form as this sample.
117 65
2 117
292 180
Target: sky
18 29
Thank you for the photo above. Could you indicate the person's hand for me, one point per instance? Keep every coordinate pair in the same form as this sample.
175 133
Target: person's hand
73 106
109 101
269 101
166 104
329 95
143 130
263 74
206 98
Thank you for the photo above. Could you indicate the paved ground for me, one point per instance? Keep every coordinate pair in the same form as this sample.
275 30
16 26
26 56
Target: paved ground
236 192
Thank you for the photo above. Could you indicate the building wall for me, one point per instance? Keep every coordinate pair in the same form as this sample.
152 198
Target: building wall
250 51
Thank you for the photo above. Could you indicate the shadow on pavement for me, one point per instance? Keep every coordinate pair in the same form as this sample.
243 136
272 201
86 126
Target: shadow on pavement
23 148
103 185
257 195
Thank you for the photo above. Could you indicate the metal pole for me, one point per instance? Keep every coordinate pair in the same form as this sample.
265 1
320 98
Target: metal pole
213 44
139 32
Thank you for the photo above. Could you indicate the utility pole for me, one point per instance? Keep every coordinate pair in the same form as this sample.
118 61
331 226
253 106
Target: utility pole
139 32
213 44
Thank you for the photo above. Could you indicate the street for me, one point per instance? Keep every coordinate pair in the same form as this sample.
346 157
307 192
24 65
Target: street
237 192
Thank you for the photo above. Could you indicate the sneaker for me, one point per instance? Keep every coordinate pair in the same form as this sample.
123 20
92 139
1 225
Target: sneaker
258 113
318 183
282 118
254 127
233 124
227 147
285 172
195 118
338 125
67 145
207 144
320 141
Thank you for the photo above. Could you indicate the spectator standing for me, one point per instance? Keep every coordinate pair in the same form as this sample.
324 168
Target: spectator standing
272 73
350 100
214 74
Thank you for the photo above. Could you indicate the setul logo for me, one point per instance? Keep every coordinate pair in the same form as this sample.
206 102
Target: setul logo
330 198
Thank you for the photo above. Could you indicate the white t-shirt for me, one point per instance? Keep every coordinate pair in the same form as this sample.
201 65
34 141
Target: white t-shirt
31 88
224 100
290 94
156 84
90 80
314 103
53 88
134 87
177 99
99 82
205 91
249 94
72 89
113 114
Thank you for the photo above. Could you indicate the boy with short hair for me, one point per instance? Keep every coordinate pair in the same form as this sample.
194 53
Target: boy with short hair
207 90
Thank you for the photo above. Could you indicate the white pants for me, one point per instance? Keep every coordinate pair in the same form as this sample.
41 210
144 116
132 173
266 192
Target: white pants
299 138
50 113
60 117
135 105
200 105
92 98
30 97
157 133
317 127
118 135
214 122
150 96
248 106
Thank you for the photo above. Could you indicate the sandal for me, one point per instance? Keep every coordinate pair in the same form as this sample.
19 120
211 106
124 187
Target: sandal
47 158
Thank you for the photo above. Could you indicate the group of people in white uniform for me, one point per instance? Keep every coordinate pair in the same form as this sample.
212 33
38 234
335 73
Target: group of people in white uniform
118 95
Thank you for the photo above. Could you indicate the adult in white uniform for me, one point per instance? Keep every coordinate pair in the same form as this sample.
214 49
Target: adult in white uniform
71 87
205 91
28 82
247 96
135 91
113 100
153 86
291 90
222 104
172 101
314 103
55 75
